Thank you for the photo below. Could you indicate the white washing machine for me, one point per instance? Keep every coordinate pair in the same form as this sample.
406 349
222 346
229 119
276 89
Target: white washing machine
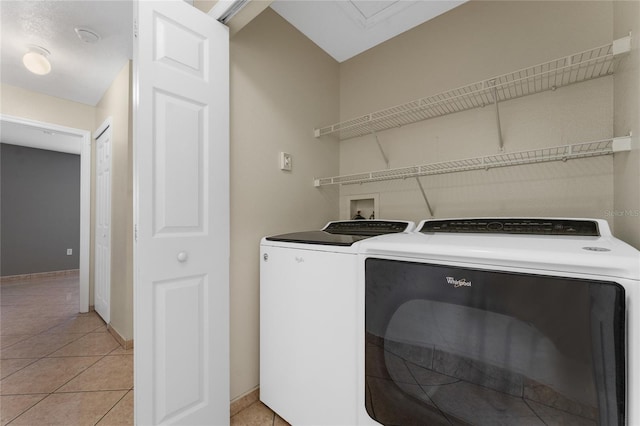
308 320
505 321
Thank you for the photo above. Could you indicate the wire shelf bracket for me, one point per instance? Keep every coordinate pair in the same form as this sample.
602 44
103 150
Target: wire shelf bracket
590 64
382 153
424 195
505 159
386 161
495 101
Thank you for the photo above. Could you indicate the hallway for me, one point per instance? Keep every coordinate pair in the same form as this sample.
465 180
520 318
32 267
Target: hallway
59 366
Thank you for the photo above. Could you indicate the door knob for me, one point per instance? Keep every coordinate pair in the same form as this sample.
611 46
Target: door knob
182 256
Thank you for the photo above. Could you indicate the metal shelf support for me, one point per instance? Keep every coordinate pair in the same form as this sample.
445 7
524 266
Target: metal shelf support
386 161
495 101
424 195
384 156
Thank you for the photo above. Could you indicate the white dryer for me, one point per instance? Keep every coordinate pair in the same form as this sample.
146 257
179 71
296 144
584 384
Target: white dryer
500 321
308 320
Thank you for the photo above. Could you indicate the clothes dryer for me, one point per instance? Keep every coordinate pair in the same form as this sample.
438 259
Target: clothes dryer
499 321
308 320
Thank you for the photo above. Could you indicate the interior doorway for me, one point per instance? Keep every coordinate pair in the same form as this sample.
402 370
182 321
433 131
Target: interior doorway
41 135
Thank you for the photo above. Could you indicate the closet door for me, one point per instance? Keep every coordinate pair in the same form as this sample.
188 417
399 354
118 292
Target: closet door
181 197
102 268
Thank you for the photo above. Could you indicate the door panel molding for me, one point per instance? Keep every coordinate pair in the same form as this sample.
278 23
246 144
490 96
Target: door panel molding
181 211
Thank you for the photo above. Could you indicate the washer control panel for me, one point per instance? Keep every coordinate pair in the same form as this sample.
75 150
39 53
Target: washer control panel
537 226
366 227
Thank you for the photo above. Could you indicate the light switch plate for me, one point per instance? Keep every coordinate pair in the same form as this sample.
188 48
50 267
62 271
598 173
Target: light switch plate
69 252
285 161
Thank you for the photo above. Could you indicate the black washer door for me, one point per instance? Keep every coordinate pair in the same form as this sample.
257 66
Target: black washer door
449 345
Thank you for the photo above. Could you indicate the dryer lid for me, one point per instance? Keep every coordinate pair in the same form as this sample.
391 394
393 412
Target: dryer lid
345 232
317 237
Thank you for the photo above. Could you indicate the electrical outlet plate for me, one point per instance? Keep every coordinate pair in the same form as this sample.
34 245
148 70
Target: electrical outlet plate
69 252
285 161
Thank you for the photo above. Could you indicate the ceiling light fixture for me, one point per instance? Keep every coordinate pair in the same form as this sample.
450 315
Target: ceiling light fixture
87 35
35 60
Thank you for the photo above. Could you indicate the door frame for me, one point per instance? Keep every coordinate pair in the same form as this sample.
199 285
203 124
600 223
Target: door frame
83 148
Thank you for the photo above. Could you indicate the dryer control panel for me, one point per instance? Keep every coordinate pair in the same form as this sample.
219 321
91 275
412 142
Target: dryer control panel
534 226
366 227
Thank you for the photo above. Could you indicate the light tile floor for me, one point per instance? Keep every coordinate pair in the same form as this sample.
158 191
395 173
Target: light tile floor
59 367
257 414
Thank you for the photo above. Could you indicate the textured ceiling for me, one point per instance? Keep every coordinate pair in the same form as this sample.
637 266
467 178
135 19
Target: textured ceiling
345 28
80 71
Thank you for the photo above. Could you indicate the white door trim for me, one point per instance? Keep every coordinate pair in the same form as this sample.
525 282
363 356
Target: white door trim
83 148
102 127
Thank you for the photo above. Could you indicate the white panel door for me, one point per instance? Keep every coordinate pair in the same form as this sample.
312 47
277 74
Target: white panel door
181 326
102 267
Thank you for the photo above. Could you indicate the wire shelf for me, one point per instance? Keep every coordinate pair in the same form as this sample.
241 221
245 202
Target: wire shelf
583 66
541 155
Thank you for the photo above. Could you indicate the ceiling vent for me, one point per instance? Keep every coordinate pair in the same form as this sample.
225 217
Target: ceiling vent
87 35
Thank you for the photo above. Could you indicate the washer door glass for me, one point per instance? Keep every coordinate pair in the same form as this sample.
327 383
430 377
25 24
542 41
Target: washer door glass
448 345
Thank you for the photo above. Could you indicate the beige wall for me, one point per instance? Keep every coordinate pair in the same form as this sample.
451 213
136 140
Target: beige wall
204 5
116 103
23 103
282 86
626 208
474 42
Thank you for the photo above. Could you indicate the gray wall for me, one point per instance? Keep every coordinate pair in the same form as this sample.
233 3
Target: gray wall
40 211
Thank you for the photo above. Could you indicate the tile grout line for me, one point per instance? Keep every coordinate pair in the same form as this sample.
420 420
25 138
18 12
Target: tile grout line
61 393
79 373
39 358
101 357
19 341
21 368
64 346
64 319
111 409
45 332
54 391
27 409
92 391
48 394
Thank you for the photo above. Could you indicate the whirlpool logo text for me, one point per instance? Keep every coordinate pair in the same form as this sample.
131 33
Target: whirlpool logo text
458 283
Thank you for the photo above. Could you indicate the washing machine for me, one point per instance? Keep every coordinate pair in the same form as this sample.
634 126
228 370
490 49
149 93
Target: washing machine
308 320
509 321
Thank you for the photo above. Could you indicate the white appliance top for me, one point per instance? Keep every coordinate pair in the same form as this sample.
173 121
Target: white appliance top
339 236
544 244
